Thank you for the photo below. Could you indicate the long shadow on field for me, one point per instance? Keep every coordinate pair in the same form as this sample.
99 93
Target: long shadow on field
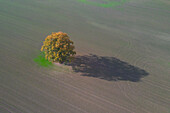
107 68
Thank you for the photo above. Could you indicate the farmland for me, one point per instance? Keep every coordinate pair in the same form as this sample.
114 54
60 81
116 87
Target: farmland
122 63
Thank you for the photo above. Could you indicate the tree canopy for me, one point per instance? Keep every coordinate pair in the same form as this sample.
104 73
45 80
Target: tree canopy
58 47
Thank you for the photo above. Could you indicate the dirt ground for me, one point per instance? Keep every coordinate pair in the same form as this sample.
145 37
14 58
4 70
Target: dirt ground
122 63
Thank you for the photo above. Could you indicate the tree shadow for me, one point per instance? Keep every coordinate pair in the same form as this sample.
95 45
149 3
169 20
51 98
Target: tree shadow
107 68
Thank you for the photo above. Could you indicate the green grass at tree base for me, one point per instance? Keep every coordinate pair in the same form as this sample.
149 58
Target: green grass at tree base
41 61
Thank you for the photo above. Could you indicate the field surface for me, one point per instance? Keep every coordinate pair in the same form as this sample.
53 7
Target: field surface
122 63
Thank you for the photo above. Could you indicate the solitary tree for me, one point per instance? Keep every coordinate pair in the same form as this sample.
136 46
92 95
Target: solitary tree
58 48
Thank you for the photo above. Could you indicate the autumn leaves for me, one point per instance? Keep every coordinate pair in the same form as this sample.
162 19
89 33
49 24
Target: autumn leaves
58 48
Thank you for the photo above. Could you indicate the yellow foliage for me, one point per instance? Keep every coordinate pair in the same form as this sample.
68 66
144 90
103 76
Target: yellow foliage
58 47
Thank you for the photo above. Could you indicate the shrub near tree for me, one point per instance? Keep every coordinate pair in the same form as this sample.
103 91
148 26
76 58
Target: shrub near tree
58 48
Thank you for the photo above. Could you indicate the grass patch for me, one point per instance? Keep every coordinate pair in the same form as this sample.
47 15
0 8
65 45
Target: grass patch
105 3
41 61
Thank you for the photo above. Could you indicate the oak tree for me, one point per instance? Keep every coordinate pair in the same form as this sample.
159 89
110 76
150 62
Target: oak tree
58 48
